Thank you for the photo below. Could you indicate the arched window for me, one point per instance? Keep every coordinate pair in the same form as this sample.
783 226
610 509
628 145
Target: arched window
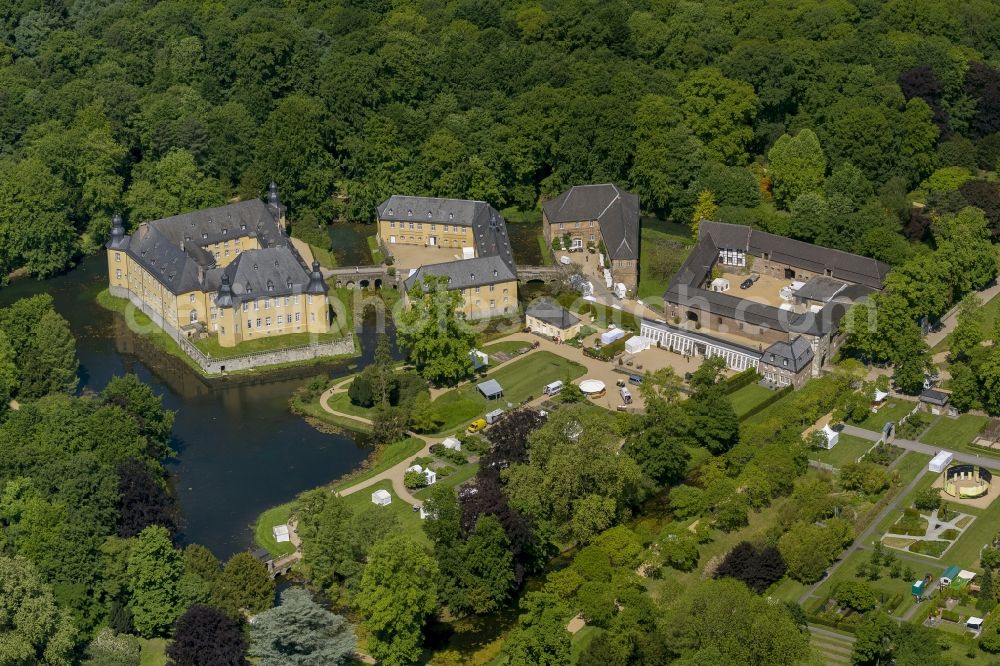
194 316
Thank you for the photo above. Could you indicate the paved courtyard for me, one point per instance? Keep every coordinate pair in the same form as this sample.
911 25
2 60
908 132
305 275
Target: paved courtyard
414 256
765 290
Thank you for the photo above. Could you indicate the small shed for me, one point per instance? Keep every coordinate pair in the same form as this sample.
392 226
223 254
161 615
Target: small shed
934 401
949 575
832 436
919 587
939 463
636 344
974 624
280 533
491 389
452 443
381 498
720 284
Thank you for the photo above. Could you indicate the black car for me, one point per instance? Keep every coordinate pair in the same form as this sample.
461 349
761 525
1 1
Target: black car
746 284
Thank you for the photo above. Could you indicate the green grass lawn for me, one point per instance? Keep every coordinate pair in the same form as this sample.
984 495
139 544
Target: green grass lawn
847 450
546 250
154 652
408 520
893 410
521 378
885 584
210 346
325 257
140 323
662 250
746 398
263 535
507 347
342 300
383 459
949 432
342 403
375 250
581 641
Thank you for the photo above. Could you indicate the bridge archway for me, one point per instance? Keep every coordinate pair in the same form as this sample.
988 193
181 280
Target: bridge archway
350 284
363 284
378 283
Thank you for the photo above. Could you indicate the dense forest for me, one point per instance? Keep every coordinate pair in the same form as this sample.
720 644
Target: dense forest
155 108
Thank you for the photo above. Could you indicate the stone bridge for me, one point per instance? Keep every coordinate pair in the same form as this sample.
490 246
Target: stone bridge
543 273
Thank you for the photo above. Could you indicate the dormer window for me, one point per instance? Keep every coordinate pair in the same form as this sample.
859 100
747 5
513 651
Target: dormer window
204 235
389 212
249 288
225 231
451 216
243 226
494 272
288 283
428 215
255 266
409 213
270 286
187 238
275 263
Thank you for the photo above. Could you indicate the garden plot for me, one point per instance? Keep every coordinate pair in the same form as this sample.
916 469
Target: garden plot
930 534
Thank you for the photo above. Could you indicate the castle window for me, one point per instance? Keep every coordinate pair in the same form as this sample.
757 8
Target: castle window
193 316
493 303
270 286
192 298
225 231
249 323
246 306
392 225
281 320
258 322
118 273
309 299
267 321
288 283
493 287
243 226
298 316
255 266
118 256
312 316
222 330
204 235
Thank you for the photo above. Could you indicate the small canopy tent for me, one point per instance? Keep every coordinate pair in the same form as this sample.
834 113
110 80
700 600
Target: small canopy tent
832 436
452 444
974 623
720 284
479 359
611 336
941 461
280 533
491 389
381 498
636 344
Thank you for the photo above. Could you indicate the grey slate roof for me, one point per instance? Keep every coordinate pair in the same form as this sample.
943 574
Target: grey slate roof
171 249
266 273
843 265
933 397
798 353
489 230
490 387
552 313
616 211
465 273
685 287
820 288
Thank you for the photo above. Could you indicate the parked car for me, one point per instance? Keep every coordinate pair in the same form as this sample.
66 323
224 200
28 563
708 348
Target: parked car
746 284
476 425
635 379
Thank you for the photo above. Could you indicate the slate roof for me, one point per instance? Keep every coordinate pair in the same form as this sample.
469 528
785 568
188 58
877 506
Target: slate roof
798 353
171 250
465 273
934 397
489 230
685 287
616 211
265 273
843 265
552 313
820 288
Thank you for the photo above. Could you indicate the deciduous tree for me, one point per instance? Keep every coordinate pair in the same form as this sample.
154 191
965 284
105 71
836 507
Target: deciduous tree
207 635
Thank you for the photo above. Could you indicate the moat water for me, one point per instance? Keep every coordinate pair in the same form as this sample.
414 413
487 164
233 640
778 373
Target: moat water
239 448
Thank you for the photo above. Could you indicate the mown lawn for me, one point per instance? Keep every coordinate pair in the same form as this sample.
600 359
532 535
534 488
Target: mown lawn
375 250
408 521
846 451
154 652
210 346
746 398
991 314
325 257
893 410
263 535
342 403
955 432
384 458
524 377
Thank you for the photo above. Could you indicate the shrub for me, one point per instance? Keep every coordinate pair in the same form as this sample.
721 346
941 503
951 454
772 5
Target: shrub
856 595
452 456
360 392
928 499
414 480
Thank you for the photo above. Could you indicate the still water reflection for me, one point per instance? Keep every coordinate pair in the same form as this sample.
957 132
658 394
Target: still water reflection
239 448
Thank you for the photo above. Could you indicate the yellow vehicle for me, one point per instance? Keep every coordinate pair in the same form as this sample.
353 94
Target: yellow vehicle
477 425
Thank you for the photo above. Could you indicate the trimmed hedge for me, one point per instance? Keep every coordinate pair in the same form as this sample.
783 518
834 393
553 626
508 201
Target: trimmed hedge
738 381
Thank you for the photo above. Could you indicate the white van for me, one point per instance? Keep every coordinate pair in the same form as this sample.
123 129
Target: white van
494 416
553 388
626 395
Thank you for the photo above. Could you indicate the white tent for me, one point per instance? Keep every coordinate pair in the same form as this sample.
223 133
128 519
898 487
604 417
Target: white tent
879 396
479 359
452 443
636 344
720 284
939 462
381 498
974 623
430 475
468 253
832 436
611 336
280 533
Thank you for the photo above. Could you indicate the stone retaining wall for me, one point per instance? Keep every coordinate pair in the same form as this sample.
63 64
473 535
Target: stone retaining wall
217 366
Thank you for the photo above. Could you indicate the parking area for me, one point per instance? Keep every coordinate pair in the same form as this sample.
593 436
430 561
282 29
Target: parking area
415 256
765 290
